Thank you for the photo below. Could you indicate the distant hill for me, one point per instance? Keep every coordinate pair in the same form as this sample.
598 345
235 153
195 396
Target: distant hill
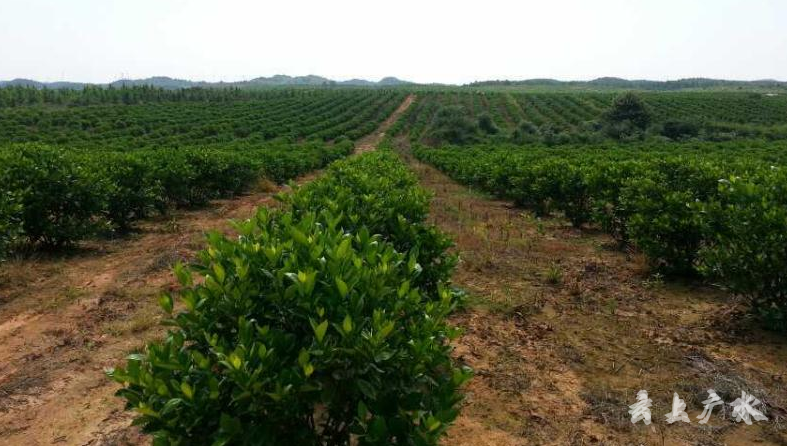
281 80
615 83
36 84
169 83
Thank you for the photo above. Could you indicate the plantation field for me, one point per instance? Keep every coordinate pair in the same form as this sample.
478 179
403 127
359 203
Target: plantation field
454 267
312 114
561 118
117 163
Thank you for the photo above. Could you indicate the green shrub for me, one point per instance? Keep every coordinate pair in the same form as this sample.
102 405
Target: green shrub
378 192
525 132
747 244
174 175
130 193
663 218
663 225
217 173
59 196
487 125
10 221
629 108
680 129
453 125
606 181
302 332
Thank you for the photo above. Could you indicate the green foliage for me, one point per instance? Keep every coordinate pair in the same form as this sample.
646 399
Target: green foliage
747 242
130 191
487 125
10 221
202 120
627 118
307 329
453 125
563 118
525 132
67 195
663 221
378 192
59 196
677 129
629 108
114 156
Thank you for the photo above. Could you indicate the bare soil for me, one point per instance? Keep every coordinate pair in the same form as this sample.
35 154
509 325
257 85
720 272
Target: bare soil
371 141
563 330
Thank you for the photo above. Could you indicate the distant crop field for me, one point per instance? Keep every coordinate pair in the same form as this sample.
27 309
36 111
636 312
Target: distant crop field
561 118
101 159
170 121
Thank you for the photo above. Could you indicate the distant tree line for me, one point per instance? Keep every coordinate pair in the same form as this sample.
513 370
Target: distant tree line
14 96
617 83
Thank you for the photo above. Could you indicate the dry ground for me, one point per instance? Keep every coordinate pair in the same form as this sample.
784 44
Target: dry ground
563 330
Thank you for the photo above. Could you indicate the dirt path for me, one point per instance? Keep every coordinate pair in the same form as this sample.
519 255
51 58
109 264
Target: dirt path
65 319
563 330
370 142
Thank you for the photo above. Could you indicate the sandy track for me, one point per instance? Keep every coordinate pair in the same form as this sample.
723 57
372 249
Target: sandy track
371 141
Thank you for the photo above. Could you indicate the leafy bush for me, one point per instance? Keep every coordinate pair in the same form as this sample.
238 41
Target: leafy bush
663 225
525 132
59 197
627 117
663 219
453 125
680 129
130 193
487 125
10 221
378 192
171 171
747 243
302 332
217 174
67 195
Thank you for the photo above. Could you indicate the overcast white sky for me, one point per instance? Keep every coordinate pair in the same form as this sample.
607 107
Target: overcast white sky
422 40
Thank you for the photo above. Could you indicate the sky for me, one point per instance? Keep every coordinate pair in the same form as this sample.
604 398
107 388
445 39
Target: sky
422 40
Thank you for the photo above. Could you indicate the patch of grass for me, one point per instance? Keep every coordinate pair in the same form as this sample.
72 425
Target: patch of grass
68 295
554 275
141 320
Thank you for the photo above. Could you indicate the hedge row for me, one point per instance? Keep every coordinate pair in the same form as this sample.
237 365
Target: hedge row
310 328
717 210
55 197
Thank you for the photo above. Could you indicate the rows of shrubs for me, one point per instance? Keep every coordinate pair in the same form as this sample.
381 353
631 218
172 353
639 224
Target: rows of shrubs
560 119
322 323
54 197
309 114
716 210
